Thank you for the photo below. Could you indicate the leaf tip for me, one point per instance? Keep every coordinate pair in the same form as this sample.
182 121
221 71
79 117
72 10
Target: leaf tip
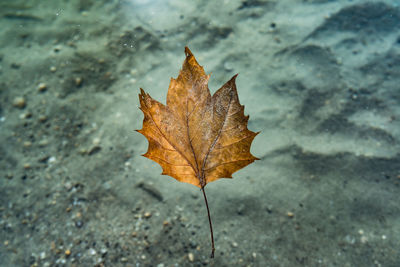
188 53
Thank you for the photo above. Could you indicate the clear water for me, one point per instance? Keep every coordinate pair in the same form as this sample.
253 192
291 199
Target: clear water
319 79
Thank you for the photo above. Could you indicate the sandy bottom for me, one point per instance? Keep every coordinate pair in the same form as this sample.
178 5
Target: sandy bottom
320 80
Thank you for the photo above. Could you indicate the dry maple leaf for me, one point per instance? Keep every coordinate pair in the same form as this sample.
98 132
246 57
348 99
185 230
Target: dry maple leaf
197 138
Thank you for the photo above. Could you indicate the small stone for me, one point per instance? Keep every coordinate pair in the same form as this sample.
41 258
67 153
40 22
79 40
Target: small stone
19 102
57 48
51 160
43 142
67 252
53 69
92 252
25 115
42 255
27 166
191 257
42 87
27 144
79 224
78 81
147 214
42 118
290 214
364 239
103 252
96 141
234 244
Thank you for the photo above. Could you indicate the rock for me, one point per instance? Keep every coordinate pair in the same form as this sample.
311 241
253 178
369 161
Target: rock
27 144
42 118
92 252
67 252
43 142
147 214
42 87
19 102
78 81
27 166
191 257
79 224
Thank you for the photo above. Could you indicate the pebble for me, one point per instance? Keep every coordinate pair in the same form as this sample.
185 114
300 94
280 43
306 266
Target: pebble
79 224
234 244
27 165
27 144
19 102
25 115
103 252
92 252
147 214
57 48
42 118
53 69
191 257
51 160
42 87
67 252
96 141
43 142
290 214
78 81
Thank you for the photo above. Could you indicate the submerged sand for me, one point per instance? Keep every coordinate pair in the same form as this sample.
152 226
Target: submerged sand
319 79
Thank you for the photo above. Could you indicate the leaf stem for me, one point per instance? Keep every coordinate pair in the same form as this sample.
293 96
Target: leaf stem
209 220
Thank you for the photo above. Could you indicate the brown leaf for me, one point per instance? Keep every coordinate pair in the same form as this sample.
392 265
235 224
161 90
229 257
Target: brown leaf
197 138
